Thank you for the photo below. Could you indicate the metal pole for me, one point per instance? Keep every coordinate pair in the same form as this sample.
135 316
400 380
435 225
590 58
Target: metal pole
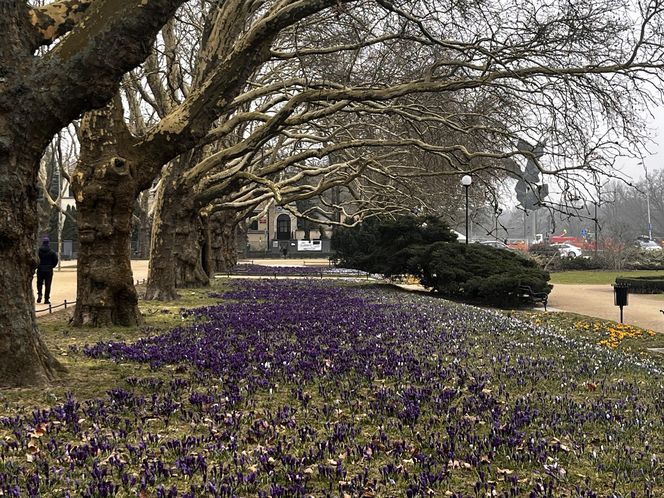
649 222
595 228
466 187
648 202
60 215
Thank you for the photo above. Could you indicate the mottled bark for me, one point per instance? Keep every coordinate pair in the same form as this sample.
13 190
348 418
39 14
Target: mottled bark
176 251
105 188
38 97
24 359
55 19
223 240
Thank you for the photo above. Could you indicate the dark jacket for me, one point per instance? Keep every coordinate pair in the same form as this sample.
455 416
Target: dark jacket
48 259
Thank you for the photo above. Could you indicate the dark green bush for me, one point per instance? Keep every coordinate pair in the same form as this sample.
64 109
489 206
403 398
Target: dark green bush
581 263
377 245
427 249
551 259
643 285
543 250
480 273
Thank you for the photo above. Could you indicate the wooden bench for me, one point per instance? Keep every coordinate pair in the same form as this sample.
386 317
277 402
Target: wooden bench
527 294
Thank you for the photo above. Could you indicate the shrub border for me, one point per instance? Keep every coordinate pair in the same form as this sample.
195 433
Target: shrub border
643 285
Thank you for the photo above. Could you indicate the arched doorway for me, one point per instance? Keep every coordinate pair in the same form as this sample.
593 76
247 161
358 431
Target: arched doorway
283 227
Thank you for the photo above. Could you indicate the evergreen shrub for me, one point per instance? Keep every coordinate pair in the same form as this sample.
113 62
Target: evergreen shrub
428 250
480 273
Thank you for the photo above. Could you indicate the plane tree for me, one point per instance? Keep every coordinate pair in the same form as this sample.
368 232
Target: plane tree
573 78
41 91
533 73
116 165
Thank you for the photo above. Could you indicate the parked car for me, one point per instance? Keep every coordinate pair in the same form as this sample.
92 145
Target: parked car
568 250
494 243
648 245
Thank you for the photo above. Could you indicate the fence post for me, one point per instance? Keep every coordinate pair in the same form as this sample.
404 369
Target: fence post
65 304
50 310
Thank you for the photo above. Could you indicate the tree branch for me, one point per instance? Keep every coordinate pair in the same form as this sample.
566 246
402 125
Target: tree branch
55 19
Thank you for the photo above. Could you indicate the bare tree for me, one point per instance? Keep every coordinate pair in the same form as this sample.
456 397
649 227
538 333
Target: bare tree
116 165
39 95
541 76
554 77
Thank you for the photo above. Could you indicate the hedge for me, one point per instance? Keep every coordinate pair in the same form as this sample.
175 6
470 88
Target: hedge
643 285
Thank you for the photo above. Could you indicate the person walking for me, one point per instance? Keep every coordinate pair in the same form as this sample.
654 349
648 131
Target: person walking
48 260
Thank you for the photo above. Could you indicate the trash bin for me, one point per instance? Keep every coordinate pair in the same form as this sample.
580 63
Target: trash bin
620 293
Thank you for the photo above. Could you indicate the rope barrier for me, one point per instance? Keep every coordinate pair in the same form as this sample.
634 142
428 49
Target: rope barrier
51 307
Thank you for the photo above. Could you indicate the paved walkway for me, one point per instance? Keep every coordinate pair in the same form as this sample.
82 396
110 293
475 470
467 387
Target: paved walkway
597 300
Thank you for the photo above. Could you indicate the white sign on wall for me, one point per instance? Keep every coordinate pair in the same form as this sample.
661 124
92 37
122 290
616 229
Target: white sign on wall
309 245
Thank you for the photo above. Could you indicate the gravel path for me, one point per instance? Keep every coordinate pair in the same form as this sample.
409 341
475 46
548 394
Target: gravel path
64 280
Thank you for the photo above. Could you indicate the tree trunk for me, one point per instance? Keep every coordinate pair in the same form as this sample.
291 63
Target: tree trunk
189 250
38 96
24 359
144 226
223 240
176 251
105 190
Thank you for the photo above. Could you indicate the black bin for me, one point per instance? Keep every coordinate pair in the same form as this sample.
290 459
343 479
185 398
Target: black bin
620 293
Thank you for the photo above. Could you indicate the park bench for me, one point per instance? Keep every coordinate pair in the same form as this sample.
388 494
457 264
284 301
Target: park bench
526 294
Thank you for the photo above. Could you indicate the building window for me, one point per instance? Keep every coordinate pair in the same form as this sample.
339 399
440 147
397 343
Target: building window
283 227
254 224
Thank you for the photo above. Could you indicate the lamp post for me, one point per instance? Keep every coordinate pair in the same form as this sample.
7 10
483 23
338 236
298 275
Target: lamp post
466 180
645 170
596 225
498 212
648 203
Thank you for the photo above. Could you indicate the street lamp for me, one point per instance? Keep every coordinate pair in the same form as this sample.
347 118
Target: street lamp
645 169
648 203
497 212
466 180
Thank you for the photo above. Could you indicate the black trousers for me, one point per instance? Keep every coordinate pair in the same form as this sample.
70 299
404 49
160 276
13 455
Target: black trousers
44 278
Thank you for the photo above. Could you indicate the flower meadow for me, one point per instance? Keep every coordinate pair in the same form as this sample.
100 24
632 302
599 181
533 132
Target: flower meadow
310 387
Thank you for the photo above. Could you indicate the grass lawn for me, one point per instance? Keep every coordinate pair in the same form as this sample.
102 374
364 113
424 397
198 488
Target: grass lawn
321 388
598 276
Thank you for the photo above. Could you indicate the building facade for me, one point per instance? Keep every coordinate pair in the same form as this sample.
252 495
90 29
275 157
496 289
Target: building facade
280 233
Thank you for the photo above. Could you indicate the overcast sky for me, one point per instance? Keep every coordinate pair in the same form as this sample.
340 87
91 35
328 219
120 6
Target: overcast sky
656 159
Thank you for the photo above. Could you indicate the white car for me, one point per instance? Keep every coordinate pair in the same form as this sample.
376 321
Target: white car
648 245
568 250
